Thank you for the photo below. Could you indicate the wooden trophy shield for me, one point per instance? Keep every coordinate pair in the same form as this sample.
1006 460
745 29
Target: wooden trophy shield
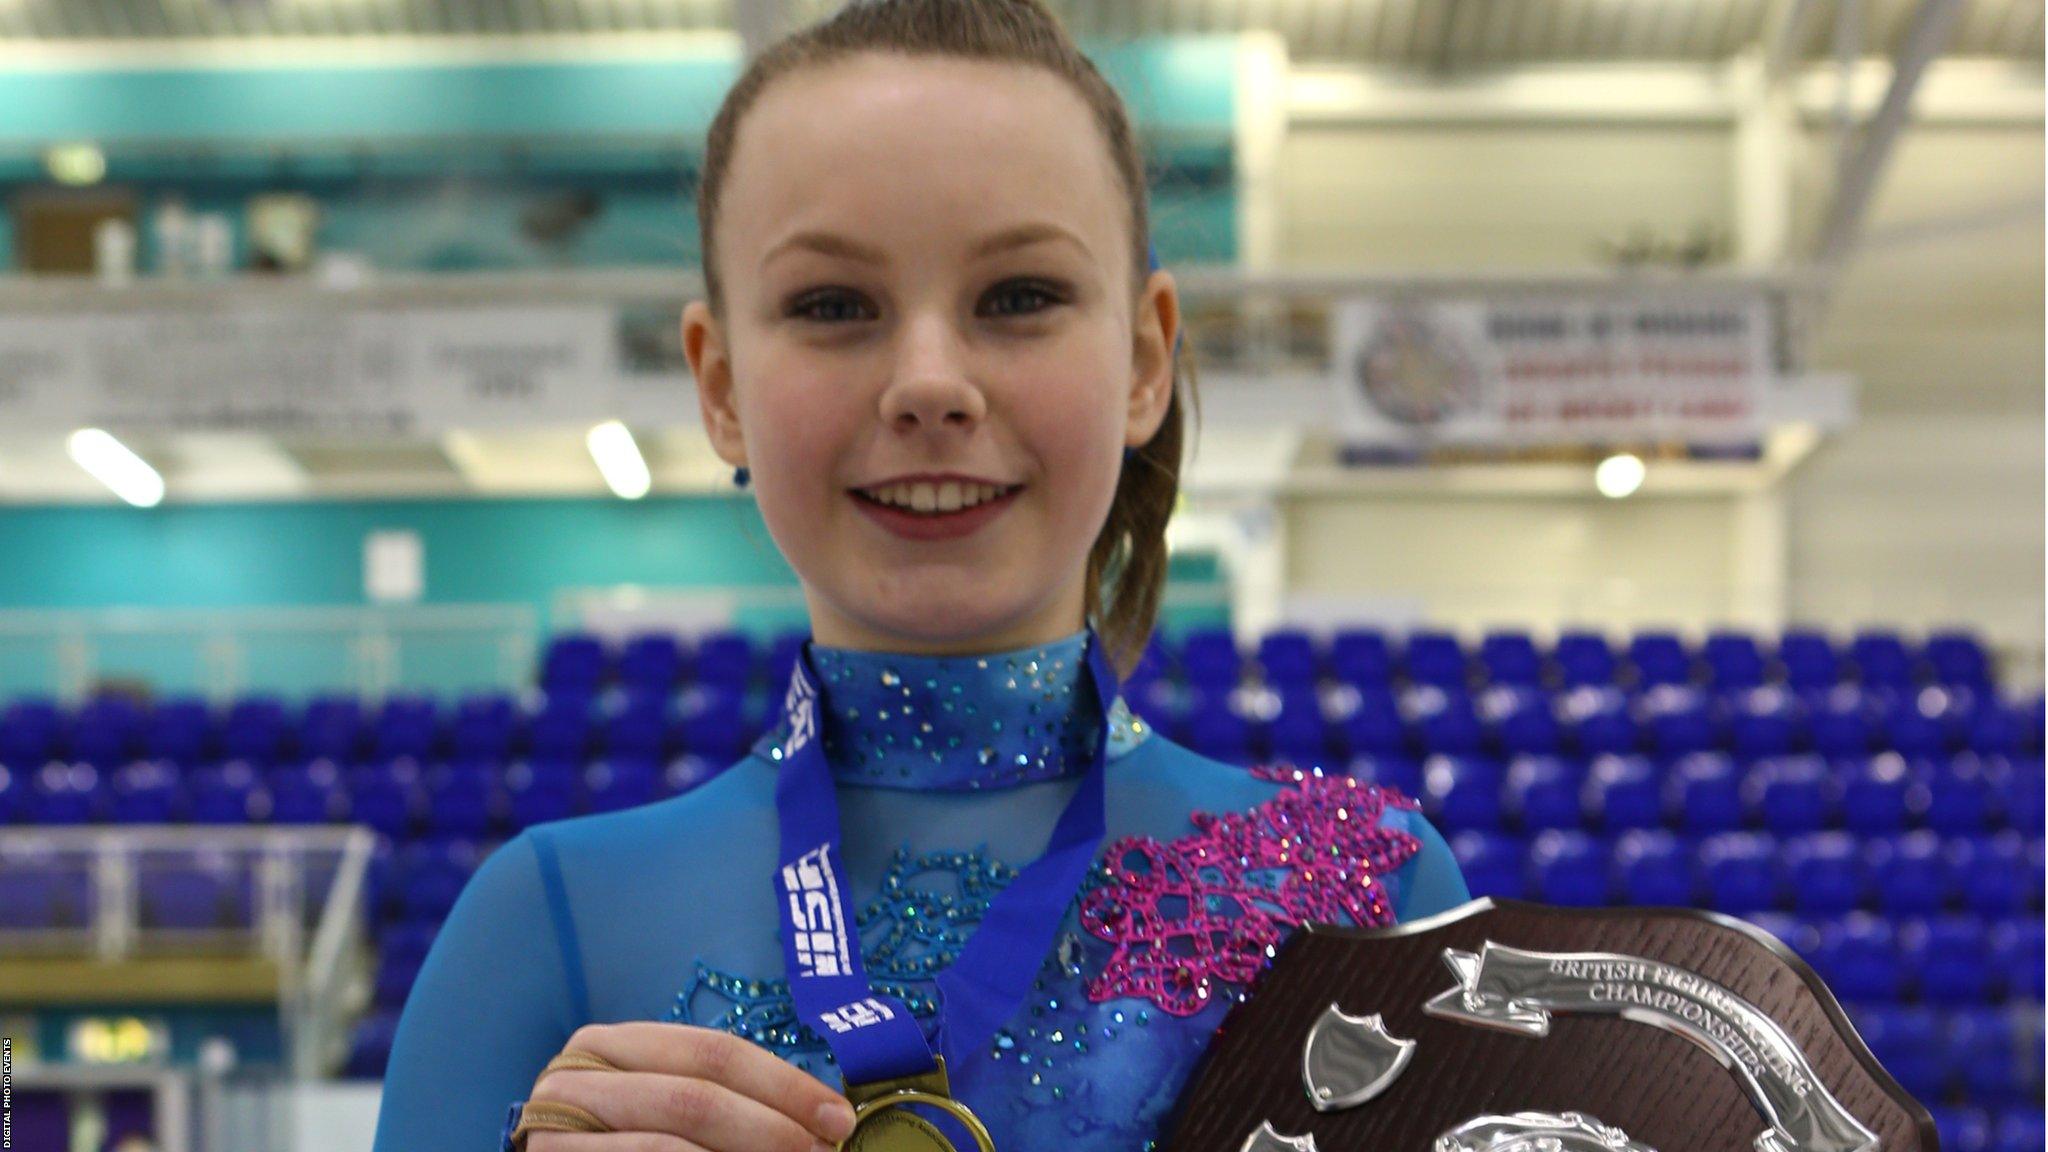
1504 1026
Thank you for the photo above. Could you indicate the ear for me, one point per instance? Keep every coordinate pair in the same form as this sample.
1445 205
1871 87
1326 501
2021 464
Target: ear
711 364
1154 334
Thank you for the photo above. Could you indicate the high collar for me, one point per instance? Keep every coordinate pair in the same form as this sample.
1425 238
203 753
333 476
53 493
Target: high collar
959 723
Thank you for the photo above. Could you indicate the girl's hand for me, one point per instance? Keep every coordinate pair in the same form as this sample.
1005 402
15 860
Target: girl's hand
681 1088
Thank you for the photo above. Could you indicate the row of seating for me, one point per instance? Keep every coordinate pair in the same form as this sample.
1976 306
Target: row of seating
1306 725
1741 873
1700 793
1801 658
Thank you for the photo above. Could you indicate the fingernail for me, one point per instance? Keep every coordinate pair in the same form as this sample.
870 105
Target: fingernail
835 1122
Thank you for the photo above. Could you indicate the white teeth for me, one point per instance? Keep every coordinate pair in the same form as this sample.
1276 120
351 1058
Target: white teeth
951 496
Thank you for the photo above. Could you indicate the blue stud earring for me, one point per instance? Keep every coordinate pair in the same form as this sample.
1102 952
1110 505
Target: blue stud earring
740 476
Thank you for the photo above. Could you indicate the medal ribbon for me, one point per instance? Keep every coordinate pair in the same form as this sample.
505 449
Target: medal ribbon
872 1035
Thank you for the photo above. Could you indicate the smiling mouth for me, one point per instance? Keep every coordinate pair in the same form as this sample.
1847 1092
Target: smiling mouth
935 500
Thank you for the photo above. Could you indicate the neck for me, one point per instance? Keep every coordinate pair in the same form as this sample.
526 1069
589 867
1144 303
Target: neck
960 722
1056 620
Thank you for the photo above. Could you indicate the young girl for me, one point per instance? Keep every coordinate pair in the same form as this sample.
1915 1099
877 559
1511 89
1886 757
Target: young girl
934 338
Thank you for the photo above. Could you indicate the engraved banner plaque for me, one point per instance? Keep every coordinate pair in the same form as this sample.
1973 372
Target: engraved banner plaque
1503 1026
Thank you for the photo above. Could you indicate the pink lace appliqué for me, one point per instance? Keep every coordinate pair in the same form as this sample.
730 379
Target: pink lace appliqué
1186 915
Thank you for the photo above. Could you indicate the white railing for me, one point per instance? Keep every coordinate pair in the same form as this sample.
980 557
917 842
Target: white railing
322 984
223 652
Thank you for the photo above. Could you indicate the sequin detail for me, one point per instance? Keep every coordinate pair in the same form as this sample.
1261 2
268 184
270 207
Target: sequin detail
959 723
1191 921
1212 908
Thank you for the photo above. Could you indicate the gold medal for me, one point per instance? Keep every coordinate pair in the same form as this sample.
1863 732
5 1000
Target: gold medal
883 1123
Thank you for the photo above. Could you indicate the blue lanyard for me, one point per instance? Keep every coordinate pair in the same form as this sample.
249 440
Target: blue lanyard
872 1035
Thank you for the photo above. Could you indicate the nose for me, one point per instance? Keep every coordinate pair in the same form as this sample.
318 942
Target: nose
930 391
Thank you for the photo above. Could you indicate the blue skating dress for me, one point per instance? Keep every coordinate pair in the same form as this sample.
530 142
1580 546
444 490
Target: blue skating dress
949 772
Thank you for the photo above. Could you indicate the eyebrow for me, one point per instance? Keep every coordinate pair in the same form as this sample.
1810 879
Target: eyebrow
832 244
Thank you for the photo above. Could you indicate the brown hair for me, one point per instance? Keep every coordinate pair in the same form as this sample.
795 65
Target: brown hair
1127 564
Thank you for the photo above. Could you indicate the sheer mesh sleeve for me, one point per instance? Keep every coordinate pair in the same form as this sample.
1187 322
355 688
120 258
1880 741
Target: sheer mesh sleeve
1431 881
493 1003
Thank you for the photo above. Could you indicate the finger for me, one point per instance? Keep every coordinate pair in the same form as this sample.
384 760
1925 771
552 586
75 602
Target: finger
722 1058
609 1142
708 1113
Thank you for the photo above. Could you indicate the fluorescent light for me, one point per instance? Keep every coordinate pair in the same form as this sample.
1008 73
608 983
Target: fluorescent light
1619 475
113 464
75 164
618 457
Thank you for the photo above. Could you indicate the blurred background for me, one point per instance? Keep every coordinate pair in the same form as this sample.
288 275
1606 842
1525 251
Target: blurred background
1622 427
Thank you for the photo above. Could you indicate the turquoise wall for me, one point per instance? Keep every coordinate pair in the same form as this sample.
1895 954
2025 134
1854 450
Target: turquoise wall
236 556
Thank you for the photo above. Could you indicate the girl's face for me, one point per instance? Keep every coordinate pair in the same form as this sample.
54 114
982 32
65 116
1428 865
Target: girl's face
926 264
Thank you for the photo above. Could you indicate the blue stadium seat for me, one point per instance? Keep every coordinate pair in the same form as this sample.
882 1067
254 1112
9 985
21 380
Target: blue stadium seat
1492 864
1298 734
32 733
486 726
643 727
1703 793
369 1048
1511 658
1519 720
1947 957
2017 955
256 728
2020 1130
1880 794
1809 659
206 891
180 730
1462 792
408 724
1543 793
539 791
574 662
613 783
1435 657
14 789
726 660
309 793
1995 874
1659 658
1584 659
1960 799
1858 958
230 793
1209 659
1841 723
401 951
461 798
1910 874
1441 720
1882 659
106 732
1362 658
1962 1129
651 664
564 727
386 796
1765 721
1993 726
1623 792
1654 868
1826 872
1906 728
1741 873
2034 727
1371 724
1982 1048
429 875
65 793
1679 719
1288 656
1790 794
687 772
333 728
1597 721
1733 660
1389 771
1569 869
1907 1041
1217 730
144 792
